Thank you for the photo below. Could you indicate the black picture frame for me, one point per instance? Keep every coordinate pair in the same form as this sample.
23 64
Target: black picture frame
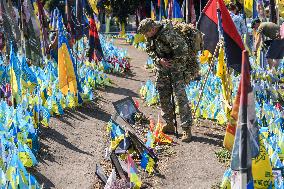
126 109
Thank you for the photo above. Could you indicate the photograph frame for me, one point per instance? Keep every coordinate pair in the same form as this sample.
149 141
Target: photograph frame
126 108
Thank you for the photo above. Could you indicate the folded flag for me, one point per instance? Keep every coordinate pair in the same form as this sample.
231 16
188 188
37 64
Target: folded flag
247 118
96 51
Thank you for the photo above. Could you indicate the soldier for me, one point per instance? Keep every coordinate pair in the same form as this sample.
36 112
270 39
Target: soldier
175 66
275 45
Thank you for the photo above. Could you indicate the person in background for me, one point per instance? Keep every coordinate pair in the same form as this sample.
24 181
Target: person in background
239 7
274 44
237 19
261 11
267 14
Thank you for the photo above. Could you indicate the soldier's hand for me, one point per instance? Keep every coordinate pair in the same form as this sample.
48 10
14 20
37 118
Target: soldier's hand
165 63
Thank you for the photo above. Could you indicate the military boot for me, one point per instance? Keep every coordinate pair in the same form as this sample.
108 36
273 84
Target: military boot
186 135
168 129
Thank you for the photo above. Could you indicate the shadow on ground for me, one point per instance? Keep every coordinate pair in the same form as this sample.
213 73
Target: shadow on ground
52 134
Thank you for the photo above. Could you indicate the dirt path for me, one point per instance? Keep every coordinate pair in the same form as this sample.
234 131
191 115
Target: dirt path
74 143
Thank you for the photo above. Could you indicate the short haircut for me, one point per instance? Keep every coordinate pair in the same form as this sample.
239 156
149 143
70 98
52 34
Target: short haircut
232 7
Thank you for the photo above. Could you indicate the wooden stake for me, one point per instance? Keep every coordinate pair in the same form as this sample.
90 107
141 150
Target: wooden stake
211 64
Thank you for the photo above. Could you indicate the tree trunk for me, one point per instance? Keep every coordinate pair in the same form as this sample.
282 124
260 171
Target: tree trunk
122 29
108 18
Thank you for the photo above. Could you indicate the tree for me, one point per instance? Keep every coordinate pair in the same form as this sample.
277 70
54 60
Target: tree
121 9
52 4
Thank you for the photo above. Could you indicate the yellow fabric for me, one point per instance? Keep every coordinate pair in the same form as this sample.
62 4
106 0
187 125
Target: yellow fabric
165 139
222 73
15 88
261 168
66 74
135 179
248 7
280 4
14 82
227 2
204 57
115 143
150 166
93 4
25 159
166 3
9 175
226 184
138 38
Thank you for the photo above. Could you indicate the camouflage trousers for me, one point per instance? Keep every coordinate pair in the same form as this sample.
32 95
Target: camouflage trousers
166 89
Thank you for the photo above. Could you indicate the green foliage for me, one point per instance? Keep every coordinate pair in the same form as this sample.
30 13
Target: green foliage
216 186
223 156
123 8
52 4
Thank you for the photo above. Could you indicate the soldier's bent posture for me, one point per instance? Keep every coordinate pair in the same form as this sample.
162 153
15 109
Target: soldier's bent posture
174 63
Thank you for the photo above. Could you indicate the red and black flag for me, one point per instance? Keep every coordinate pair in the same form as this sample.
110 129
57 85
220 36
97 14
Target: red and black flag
95 51
208 24
69 21
79 20
246 143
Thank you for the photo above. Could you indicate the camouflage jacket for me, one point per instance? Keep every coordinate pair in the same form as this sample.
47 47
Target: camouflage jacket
167 43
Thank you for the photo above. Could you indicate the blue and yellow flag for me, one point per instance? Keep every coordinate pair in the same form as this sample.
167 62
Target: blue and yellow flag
66 71
225 77
15 75
177 14
26 156
116 134
29 79
153 11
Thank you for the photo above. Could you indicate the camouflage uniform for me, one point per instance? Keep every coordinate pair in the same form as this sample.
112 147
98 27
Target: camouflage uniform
167 43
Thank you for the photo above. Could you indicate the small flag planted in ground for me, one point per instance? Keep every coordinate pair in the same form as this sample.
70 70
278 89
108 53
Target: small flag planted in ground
133 173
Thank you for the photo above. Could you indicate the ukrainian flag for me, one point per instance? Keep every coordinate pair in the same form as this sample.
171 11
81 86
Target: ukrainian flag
15 75
66 71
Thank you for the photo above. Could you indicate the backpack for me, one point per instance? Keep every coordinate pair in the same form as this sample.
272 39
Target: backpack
191 35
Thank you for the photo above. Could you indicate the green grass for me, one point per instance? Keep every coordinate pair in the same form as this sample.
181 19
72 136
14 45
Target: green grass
223 156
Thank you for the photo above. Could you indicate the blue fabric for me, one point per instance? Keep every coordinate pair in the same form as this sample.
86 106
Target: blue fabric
239 23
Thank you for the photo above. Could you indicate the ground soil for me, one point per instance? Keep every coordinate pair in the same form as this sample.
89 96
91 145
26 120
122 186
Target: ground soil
76 141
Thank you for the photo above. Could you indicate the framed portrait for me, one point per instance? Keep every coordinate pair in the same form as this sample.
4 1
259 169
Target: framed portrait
126 109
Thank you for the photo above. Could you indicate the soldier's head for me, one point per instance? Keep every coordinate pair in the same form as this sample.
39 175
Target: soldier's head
148 27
